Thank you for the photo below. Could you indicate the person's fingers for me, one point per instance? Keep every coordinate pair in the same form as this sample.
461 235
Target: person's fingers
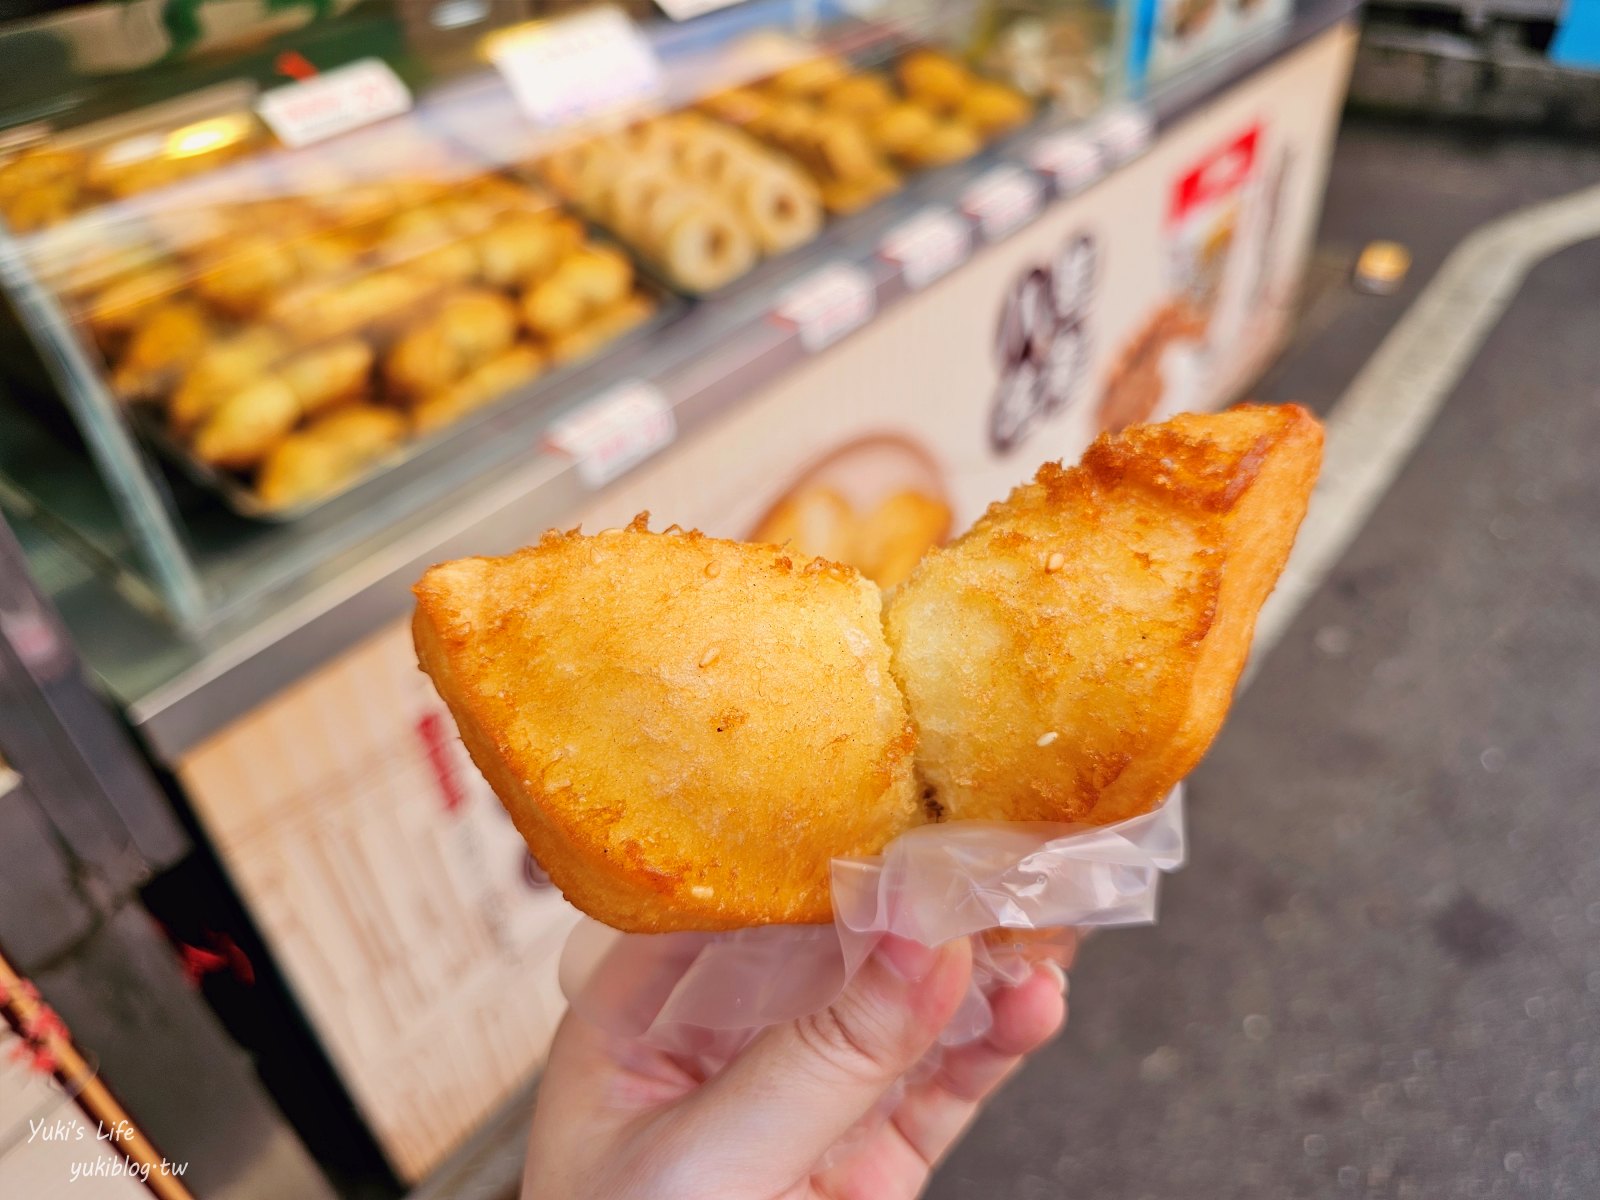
884 1166
934 1114
801 1085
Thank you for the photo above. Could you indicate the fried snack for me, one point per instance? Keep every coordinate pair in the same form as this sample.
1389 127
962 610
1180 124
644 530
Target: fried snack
553 307
993 109
946 142
522 248
602 327
810 77
701 200
169 338
242 275
221 370
121 305
650 708
479 324
422 362
780 207
327 453
1073 655
488 383
468 328
900 128
935 80
324 376
859 96
599 276
245 426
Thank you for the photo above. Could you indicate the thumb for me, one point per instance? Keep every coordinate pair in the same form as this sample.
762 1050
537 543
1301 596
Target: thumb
800 1086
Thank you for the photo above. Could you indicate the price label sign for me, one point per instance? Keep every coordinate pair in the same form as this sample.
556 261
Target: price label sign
927 246
1072 160
615 431
827 304
334 102
1124 132
1002 201
573 67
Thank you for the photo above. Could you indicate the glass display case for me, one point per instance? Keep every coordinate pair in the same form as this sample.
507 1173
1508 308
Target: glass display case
284 279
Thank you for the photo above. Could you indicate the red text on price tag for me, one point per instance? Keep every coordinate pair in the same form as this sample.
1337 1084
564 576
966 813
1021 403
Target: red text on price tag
1072 160
928 245
827 304
334 102
615 431
1002 201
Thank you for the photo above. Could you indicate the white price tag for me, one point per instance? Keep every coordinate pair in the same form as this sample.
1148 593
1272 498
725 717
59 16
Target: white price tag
1124 132
569 68
685 10
1002 201
1072 160
615 431
827 304
928 245
334 102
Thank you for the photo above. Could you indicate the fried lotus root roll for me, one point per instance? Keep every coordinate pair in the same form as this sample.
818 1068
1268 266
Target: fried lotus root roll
779 206
707 247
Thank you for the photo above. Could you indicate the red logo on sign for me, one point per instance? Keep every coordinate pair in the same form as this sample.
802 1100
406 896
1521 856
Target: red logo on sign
1222 171
435 741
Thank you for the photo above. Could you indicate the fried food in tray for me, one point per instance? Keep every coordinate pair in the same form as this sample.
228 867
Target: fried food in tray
242 339
700 201
44 184
687 731
857 131
683 728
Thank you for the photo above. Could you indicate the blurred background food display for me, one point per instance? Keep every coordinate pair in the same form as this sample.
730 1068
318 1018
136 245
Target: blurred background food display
300 318
856 132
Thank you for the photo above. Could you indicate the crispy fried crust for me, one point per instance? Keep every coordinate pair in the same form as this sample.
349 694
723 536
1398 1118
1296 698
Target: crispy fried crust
685 730
1073 656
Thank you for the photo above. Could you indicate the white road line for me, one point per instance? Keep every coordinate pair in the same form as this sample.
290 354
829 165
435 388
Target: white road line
1388 407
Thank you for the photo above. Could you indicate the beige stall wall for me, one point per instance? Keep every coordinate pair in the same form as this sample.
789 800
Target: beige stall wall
377 863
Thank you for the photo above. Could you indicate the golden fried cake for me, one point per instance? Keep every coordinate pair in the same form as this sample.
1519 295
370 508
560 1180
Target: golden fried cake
685 730
688 730
1073 655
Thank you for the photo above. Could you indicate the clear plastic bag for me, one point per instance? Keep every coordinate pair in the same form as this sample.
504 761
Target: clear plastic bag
1011 888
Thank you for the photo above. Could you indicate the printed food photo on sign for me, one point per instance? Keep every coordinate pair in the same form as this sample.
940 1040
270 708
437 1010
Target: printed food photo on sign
1158 363
1175 359
875 504
1041 343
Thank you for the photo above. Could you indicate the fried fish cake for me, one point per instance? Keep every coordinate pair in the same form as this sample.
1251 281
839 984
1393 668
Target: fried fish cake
1073 655
685 730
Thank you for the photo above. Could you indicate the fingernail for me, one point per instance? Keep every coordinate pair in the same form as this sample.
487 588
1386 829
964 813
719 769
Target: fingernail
1055 971
906 958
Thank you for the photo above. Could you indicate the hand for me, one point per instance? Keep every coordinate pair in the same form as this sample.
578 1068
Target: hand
616 1119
